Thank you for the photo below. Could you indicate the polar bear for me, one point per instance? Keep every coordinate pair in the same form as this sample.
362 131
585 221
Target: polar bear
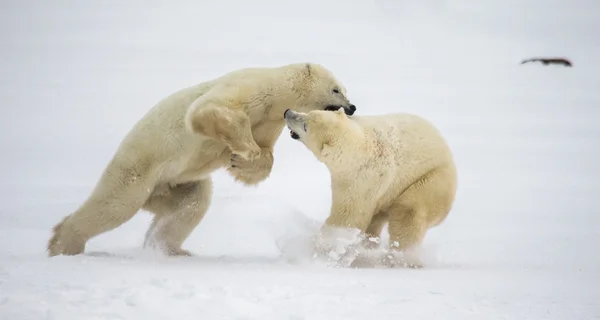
395 169
164 164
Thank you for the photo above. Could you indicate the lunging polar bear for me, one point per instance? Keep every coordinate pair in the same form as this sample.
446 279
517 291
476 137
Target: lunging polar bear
393 168
164 163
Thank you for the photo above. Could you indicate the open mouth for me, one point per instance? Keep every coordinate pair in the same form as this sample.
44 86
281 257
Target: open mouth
349 110
292 120
332 108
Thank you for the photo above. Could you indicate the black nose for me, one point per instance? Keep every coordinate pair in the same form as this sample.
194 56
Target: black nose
285 113
350 110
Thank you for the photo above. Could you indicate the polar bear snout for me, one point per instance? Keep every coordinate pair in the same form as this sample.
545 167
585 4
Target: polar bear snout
349 110
295 122
352 110
291 115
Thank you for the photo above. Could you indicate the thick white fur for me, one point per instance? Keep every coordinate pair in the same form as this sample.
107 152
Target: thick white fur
164 163
393 168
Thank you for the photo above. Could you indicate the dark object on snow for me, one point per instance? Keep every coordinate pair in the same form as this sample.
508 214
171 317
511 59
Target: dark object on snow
547 61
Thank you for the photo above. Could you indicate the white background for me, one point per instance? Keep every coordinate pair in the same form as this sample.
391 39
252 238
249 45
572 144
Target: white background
520 243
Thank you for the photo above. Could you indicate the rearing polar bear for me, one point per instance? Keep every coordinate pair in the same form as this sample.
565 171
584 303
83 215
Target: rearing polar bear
163 165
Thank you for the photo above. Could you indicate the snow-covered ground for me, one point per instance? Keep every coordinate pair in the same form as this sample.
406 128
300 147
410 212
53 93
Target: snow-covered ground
520 243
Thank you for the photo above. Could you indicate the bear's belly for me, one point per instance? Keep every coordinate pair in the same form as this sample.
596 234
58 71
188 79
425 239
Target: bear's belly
197 166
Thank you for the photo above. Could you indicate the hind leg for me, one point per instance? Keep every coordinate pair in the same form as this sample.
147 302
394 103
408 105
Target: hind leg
407 231
120 193
425 204
177 212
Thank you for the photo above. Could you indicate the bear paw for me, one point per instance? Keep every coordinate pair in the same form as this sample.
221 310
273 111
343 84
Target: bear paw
164 248
178 252
65 241
248 154
337 246
402 259
251 172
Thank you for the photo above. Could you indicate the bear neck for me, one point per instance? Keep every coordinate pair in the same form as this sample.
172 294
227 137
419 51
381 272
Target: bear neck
352 142
284 94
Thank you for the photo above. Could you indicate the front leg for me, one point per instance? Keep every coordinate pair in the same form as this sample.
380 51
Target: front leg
344 230
352 206
231 127
252 172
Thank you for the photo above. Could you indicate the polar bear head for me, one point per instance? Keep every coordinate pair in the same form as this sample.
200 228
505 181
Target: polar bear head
328 135
316 88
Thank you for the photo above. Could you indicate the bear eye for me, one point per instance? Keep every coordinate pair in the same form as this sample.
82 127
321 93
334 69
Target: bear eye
305 127
336 90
